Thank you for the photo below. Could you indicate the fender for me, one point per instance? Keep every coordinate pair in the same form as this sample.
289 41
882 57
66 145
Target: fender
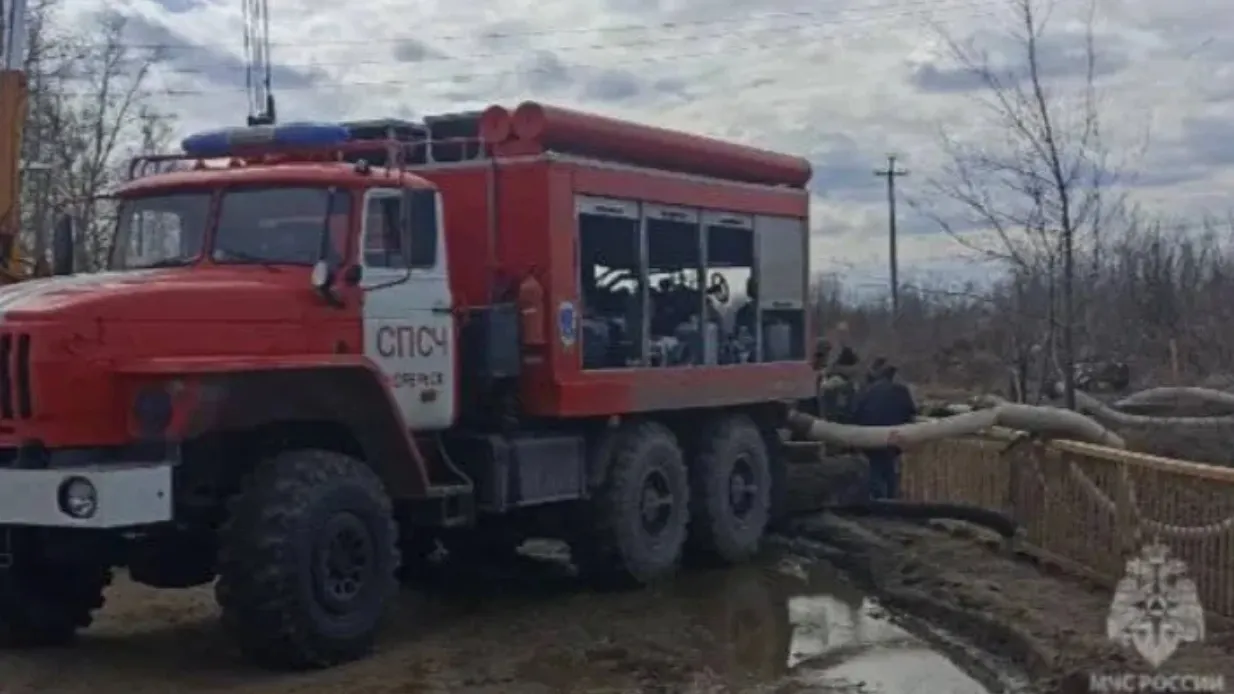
244 392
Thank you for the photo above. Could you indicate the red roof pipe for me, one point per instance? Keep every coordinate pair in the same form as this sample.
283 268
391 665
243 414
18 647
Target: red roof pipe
495 125
575 132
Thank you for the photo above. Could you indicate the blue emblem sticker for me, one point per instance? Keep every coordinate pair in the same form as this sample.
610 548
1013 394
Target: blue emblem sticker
567 323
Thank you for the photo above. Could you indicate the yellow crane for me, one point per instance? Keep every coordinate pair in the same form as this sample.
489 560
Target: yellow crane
14 92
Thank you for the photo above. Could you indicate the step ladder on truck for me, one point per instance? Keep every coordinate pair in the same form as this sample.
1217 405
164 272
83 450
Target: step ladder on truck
320 350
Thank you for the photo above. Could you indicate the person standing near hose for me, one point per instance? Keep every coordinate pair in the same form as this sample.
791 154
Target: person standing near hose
885 402
837 392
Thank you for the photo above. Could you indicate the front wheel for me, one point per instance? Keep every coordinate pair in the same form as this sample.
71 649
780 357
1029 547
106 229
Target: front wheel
42 602
639 515
308 561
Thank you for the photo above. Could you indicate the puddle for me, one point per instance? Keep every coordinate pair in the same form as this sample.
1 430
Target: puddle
841 638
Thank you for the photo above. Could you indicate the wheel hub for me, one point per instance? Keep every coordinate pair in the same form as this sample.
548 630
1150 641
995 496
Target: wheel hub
742 487
656 504
345 562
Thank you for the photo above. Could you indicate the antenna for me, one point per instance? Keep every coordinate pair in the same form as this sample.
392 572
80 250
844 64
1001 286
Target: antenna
257 62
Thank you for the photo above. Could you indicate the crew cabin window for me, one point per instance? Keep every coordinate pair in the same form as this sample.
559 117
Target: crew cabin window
387 243
681 318
610 283
731 286
383 233
782 246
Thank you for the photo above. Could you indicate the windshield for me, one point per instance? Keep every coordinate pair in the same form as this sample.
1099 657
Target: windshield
280 225
160 231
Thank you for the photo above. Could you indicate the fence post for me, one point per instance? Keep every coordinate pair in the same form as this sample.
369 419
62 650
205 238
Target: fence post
1125 525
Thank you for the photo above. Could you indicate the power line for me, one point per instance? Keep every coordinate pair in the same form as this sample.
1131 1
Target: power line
601 46
922 5
472 74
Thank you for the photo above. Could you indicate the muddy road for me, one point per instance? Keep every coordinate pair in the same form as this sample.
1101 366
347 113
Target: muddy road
786 624
963 581
841 606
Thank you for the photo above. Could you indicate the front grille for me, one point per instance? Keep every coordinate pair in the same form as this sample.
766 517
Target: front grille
15 398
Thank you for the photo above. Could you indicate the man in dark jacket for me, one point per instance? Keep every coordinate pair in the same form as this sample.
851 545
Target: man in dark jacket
884 402
838 388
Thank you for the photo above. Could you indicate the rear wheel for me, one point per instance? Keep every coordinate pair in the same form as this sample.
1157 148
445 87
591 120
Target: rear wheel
638 517
731 482
308 561
42 602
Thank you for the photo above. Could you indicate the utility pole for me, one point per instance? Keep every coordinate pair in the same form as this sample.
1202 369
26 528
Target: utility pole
890 173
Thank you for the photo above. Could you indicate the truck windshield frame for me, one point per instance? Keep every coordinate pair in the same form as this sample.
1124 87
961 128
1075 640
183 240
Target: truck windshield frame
236 225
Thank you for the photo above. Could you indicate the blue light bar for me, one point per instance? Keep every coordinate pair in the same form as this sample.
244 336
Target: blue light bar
214 144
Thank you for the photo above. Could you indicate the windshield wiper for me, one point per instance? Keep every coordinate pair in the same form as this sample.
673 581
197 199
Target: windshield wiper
178 261
229 254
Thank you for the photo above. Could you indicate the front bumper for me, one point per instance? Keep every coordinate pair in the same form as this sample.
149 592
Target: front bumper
127 495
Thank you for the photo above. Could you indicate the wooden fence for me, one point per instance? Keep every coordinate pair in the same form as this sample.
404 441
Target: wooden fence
1090 508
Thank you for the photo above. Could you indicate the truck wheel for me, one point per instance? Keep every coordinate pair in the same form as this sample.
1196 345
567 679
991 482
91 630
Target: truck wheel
307 561
640 513
730 488
44 604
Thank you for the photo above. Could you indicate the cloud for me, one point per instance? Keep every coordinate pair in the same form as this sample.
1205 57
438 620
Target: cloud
1063 56
413 51
182 6
840 82
181 56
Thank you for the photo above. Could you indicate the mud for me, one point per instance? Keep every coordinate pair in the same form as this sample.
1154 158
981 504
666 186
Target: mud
916 609
1051 626
783 625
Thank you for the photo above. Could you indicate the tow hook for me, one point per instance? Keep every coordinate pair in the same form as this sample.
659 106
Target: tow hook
6 548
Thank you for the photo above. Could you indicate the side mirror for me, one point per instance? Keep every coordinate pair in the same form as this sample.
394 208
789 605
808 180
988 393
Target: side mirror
63 246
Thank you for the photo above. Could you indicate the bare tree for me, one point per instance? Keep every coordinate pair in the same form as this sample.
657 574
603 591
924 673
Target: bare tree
90 111
1041 186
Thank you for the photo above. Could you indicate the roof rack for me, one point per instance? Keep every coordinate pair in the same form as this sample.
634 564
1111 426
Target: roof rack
448 138
384 142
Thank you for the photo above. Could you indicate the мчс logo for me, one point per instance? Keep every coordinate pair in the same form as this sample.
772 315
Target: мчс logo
1156 606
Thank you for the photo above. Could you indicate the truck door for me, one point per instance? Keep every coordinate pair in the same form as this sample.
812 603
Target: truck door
408 322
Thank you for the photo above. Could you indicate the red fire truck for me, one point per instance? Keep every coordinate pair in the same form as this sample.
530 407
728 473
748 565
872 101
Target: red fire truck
320 349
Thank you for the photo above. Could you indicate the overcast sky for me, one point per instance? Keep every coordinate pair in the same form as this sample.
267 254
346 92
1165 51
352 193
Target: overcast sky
842 82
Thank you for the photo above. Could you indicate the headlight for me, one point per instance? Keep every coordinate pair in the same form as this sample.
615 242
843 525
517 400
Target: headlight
78 498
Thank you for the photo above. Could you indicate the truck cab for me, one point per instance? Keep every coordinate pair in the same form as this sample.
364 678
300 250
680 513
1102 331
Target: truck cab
353 260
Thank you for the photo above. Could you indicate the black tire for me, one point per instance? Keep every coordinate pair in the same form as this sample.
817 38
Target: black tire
730 486
622 548
299 514
44 604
